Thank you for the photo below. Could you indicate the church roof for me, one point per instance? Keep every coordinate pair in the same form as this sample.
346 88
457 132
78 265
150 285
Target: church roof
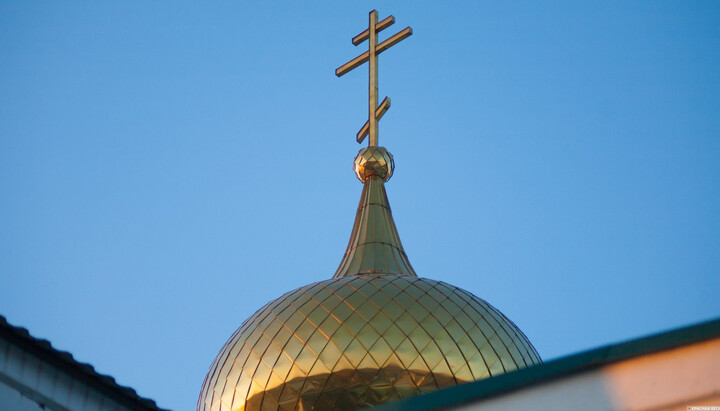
43 350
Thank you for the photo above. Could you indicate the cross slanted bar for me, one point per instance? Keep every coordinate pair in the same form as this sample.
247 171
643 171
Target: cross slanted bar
375 113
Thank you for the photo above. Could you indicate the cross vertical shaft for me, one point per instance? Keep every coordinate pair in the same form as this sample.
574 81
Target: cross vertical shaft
373 93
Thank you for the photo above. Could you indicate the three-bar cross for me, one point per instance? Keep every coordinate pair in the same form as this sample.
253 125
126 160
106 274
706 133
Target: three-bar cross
374 113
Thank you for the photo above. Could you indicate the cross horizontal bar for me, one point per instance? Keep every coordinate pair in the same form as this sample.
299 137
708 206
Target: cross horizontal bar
393 40
380 26
379 113
347 67
359 60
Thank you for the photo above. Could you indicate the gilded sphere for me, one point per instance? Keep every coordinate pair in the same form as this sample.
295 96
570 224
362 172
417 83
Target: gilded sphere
359 341
373 161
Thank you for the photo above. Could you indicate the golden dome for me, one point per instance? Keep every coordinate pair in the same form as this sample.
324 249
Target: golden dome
358 341
375 332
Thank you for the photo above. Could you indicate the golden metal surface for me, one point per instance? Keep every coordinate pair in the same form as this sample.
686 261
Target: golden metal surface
371 56
373 162
374 246
354 342
375 332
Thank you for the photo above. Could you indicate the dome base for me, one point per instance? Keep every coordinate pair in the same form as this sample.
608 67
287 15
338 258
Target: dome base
353 342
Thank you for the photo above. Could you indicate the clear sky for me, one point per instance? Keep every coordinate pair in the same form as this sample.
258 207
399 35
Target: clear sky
167 168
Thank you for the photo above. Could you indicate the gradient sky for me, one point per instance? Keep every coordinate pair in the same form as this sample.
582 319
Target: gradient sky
167 168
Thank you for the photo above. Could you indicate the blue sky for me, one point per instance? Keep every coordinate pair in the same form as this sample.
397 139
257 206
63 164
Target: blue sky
167 168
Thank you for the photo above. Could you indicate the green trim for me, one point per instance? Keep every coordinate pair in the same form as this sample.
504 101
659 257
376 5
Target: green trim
543 373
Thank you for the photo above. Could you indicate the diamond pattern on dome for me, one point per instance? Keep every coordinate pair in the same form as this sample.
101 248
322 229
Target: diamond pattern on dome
353 342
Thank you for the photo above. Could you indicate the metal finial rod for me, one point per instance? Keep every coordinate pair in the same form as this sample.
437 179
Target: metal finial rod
373 80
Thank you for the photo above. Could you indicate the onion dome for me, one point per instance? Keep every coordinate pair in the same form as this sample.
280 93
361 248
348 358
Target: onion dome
374 332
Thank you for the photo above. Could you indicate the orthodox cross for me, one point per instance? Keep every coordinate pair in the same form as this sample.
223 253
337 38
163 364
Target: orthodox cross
375 113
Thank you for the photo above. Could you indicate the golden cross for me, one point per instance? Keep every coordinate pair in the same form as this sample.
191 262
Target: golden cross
375 113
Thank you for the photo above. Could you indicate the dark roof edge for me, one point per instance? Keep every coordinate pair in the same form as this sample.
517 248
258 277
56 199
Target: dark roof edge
21 338
561 367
